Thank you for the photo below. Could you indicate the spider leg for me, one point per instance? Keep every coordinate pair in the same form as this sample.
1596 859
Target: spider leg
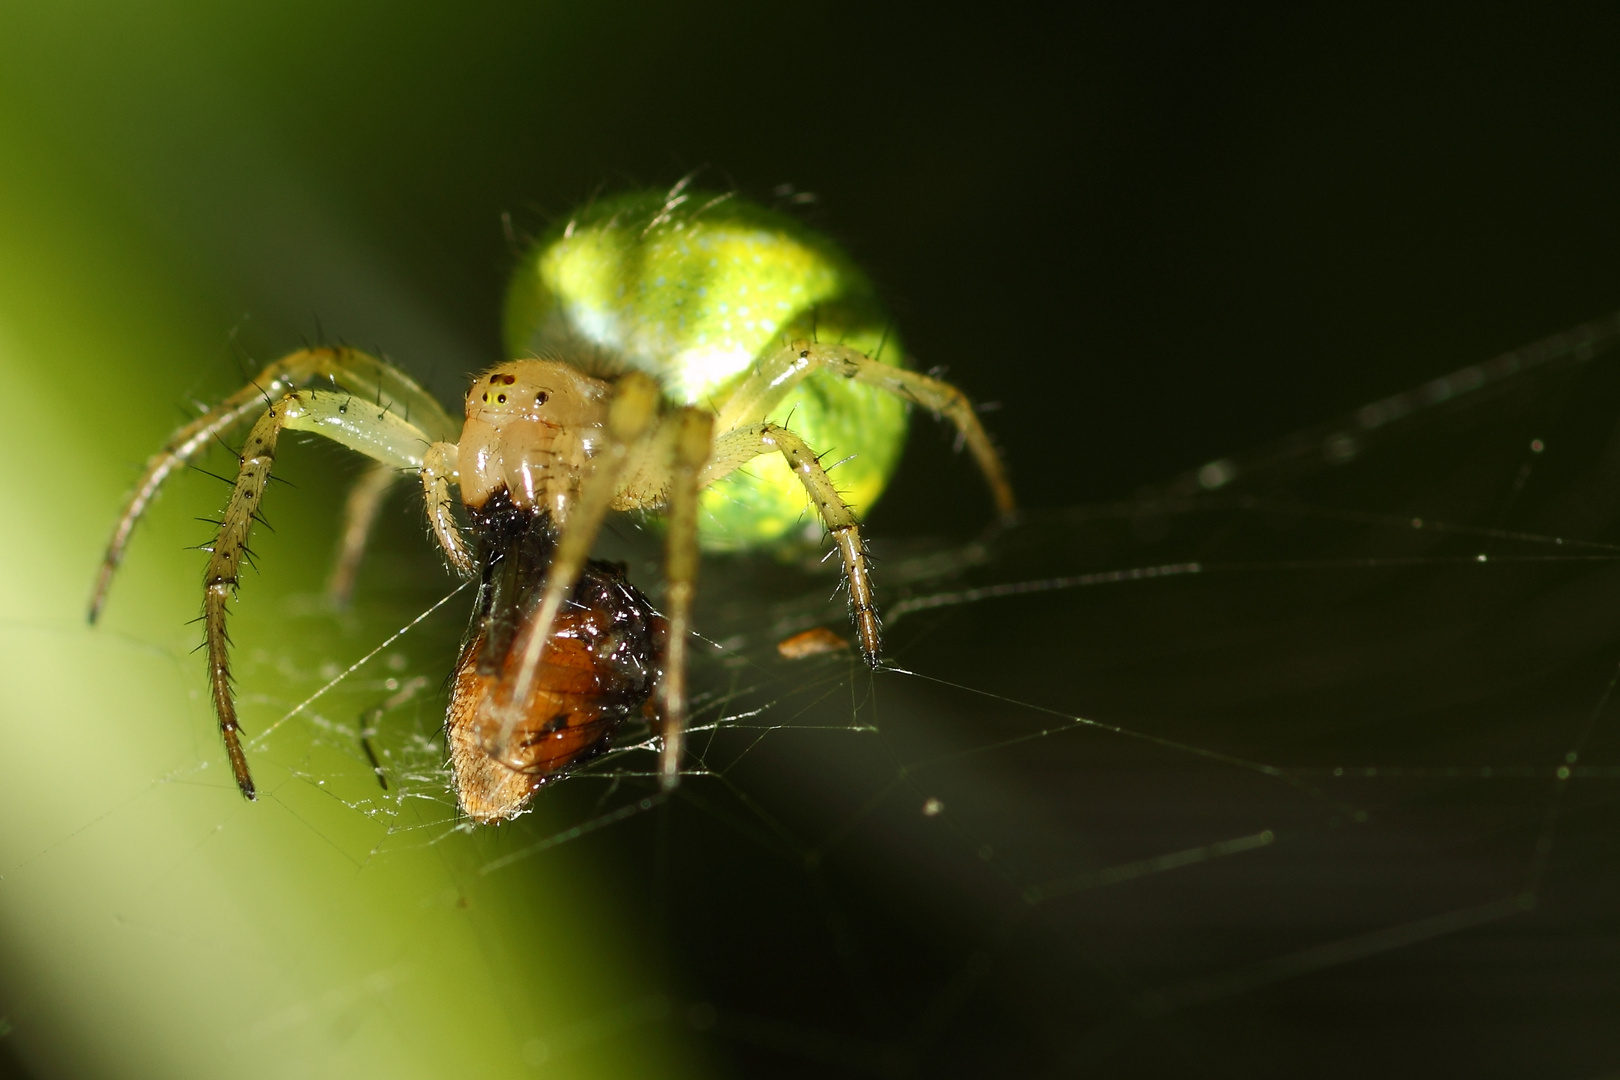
382 435
373 716
631 417
742 445
364 377
439 471
441 467
776 374
693 430
360 511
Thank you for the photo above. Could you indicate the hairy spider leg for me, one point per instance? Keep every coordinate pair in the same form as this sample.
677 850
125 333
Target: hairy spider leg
744 439
774 375
380 434
631 415
365 377
360 512
741 445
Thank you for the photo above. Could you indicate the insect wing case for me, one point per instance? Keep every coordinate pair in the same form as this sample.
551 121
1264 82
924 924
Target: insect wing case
600 664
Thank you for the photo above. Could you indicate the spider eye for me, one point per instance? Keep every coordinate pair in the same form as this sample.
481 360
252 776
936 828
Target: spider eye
540 398
501 398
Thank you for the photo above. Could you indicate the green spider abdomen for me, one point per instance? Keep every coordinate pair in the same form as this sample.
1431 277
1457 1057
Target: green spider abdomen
692 288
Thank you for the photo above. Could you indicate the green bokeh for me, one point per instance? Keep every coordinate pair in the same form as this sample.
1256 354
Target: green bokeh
151 922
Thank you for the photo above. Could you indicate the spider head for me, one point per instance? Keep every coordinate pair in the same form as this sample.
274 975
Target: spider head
531 426
544 392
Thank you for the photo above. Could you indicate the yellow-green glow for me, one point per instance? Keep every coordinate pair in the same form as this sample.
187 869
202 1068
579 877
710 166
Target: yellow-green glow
152 924
692 287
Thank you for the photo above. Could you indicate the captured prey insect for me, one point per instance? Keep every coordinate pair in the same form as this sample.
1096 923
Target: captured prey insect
672 338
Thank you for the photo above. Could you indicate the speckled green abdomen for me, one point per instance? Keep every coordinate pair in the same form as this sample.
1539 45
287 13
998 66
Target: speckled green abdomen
693 289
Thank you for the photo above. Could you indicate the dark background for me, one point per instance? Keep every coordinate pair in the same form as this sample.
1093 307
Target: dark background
1154 237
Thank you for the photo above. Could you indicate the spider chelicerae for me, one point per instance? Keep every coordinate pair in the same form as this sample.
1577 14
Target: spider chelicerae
673 338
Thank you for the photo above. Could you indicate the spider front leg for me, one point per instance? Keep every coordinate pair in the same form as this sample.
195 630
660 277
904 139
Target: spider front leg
775 375
366 378
381 435
742 445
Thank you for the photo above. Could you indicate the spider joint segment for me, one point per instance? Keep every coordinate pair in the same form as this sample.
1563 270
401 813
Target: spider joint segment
774 376
740 446
441 467
394 443
356 374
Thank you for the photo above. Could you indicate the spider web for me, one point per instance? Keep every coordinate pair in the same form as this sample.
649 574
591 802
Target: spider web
1313 740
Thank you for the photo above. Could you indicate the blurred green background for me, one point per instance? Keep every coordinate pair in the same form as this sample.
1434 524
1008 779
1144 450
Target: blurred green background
1151 238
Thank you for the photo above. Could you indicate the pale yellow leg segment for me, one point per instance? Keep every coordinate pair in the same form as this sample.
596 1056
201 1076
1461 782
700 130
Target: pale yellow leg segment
339 416
693 429
441 467
367 379
743 445
775 375
630 417
360 511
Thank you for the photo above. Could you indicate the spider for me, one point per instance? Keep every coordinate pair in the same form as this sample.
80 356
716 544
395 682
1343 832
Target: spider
671 339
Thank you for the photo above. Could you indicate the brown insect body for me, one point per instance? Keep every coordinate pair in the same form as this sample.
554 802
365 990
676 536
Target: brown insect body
601 661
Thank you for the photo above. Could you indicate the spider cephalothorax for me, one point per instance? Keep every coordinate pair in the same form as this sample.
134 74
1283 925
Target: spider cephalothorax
532 427
683 337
